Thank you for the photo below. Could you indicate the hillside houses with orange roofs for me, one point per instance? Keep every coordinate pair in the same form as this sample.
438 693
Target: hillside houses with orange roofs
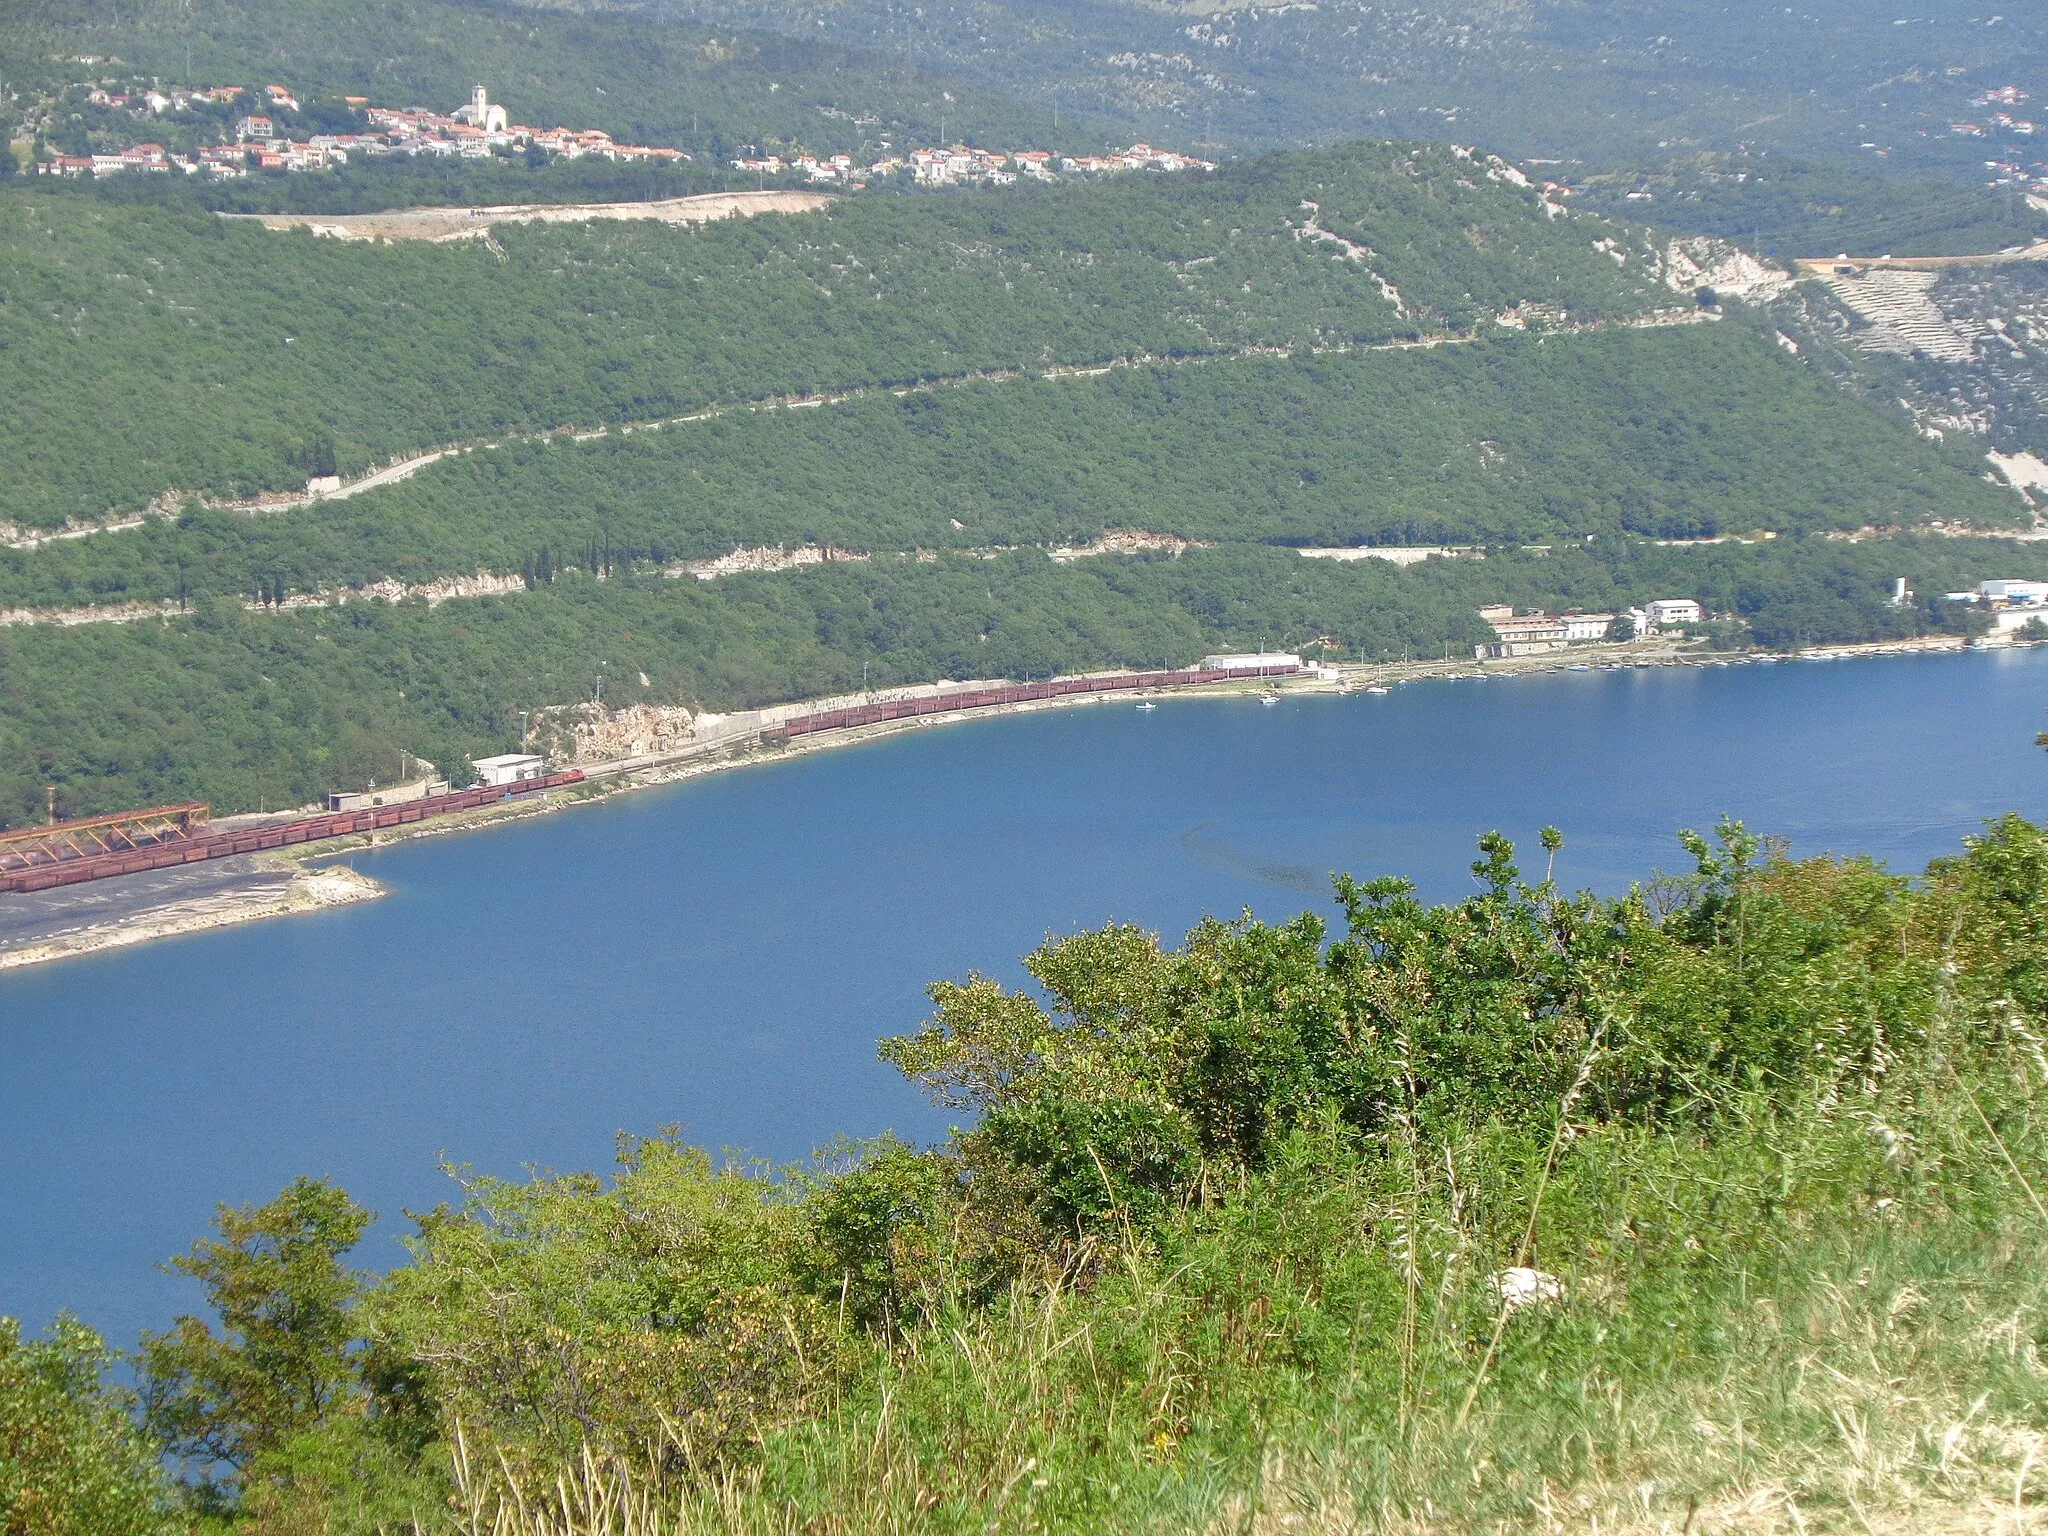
474 131
481 128
960 164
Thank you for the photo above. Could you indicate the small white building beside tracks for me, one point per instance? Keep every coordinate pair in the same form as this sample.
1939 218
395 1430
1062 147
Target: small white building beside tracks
1253 661
511 768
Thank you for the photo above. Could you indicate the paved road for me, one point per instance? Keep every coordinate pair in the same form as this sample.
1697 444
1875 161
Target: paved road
38 917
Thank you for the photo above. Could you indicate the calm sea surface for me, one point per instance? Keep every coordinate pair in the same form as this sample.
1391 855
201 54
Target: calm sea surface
723 954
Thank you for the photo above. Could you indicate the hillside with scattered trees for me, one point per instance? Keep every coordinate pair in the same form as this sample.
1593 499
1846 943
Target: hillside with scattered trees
1381 344
151 351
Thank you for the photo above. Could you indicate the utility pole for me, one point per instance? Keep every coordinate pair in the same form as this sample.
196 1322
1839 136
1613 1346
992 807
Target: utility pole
51 791
522 728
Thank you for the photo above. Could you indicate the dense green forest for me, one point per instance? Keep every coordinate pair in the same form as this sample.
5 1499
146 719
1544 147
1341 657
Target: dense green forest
245 708
146 350
1681 433
1711 1206
1783 206
708 90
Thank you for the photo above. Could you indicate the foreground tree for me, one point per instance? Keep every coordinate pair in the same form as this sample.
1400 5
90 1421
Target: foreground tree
283 1359
72 1460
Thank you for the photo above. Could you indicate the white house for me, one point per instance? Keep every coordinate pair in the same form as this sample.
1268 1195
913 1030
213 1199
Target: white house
1674 610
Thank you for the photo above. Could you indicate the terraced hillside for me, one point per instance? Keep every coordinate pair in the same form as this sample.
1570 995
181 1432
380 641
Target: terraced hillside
1961 354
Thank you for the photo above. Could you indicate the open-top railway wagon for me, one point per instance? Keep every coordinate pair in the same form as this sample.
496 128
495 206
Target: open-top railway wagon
285 834
1009 693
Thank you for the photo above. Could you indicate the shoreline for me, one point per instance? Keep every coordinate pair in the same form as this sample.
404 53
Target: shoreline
317 884
303 890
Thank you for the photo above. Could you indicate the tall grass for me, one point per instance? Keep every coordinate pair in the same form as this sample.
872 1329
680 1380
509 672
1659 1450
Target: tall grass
1808 1317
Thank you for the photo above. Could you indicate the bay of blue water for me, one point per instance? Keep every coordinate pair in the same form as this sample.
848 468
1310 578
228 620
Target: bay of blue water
723 954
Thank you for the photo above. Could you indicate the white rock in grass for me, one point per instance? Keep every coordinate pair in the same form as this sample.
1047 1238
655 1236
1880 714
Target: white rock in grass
1519 1287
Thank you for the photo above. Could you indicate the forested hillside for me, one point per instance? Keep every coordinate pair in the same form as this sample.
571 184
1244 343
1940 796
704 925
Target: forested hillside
1624 81
1688 432
148 351
1786 206
1710 1206
242 707
1276 395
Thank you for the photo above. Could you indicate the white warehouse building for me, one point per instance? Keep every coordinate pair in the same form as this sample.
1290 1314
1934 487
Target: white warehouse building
2013 593
1250 661
512 768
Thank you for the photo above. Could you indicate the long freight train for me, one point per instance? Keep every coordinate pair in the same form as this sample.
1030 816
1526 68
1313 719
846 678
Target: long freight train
1013 693
286 834
167 845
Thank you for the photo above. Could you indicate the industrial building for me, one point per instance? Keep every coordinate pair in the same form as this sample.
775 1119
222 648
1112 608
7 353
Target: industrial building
2013 604
511 768
1253 661
1532 634
392 794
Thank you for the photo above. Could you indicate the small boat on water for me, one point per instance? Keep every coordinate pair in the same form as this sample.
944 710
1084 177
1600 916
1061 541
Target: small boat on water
1578 667
1148 704
1379 690
1270 700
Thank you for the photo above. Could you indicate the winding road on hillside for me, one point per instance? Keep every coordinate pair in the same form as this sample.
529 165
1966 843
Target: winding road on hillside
167 503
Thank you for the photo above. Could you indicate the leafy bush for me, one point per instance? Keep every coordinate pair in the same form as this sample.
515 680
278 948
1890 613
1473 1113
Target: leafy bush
72 1460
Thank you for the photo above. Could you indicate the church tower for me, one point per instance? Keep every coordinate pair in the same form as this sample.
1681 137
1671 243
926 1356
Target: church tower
481 113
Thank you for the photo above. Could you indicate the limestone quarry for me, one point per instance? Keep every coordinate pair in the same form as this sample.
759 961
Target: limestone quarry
1701 261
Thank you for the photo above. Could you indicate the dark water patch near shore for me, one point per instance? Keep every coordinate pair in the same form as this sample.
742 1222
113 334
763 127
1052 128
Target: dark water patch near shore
723 953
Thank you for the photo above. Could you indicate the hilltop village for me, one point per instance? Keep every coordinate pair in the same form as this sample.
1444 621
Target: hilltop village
254 138
958 164
256 141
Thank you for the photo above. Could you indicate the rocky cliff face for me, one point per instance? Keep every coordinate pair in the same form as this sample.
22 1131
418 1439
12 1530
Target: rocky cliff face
588 733
1701 261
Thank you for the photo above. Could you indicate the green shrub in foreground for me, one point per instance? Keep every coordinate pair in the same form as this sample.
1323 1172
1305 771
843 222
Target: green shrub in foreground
72 1460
